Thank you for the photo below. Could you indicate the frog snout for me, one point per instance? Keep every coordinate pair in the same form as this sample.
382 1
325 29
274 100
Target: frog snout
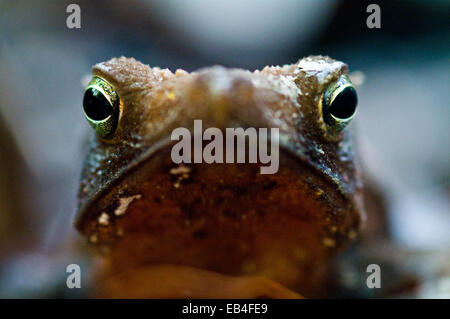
230 98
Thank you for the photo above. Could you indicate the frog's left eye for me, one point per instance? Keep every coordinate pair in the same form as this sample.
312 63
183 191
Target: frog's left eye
339 104
101 107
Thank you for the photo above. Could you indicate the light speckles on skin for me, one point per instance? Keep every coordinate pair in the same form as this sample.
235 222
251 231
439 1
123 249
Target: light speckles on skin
329 242
170 95
180 170
135 141
93 238
162 74
318 68
180 72
124 203
103 219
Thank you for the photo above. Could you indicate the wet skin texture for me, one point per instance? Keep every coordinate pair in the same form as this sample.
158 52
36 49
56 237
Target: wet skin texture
219 230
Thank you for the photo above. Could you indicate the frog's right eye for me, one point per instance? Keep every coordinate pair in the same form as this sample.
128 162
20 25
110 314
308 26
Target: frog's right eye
101 107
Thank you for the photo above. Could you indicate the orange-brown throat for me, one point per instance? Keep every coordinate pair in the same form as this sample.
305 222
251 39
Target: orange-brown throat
224 218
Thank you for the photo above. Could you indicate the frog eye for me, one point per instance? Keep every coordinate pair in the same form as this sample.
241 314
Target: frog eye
339 104
101 107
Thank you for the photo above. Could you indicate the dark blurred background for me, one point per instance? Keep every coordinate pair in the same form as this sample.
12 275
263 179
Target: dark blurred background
402 127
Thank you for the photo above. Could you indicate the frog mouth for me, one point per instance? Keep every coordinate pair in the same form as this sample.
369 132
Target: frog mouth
174 281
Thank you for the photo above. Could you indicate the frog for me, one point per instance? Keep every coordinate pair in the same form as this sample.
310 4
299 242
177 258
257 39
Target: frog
218 230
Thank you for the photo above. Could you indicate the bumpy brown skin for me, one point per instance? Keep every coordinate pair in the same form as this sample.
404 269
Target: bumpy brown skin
225 219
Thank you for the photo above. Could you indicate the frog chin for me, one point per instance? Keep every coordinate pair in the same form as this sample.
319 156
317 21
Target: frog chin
223 218
175 281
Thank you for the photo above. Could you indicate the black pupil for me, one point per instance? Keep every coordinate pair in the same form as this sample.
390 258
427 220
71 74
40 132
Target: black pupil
344 105
95 105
